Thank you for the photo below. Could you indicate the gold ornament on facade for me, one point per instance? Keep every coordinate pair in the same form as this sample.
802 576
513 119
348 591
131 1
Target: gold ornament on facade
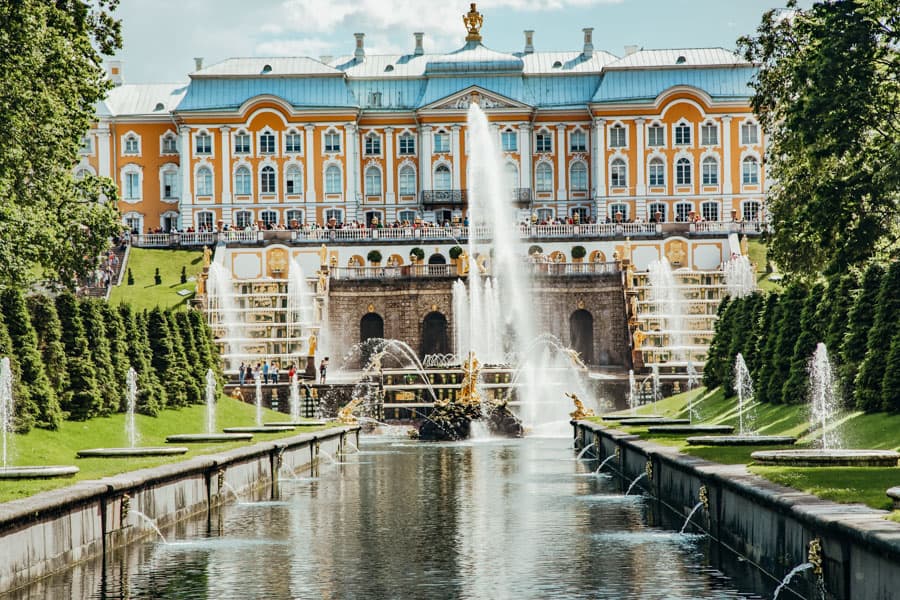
371 308
473 20
278 261
676 252
313 344
745 245
580 411
638 338
581 304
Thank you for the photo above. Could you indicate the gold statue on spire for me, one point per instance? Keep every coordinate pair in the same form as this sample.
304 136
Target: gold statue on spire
473 20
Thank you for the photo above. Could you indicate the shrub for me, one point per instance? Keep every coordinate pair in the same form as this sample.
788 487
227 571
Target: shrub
859 321
183 274
868 391
578 252
84 401
157 278
130 280
374 256
455 252
417 253
535 249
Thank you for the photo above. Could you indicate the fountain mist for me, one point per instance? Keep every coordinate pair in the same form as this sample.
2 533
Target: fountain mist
211 389
823 399
7 407
257 400
224 310
295 398
131 433
743 386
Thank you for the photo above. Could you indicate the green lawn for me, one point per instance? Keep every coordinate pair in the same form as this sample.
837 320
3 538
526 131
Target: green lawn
758 252
145 293
41 447
840 484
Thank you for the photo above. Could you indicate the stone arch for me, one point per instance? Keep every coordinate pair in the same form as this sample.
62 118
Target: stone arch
558 256
437 259
356 261
581 334
435 334
396 259
597 256
371 326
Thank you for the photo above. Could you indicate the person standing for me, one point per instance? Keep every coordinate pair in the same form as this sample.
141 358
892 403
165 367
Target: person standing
242 373
323 370
265 372
274 371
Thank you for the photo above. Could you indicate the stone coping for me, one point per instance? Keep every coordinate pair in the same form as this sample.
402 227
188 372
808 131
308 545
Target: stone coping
894 494
741 440
316 423
654 421
40 472
827 458
690 429
199 438
260 429
629 417
126 452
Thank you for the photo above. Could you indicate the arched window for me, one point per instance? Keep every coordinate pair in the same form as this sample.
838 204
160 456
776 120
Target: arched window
267 143
333 180
293 180
618 173
543 178
267 180
657 172
371 326
435 339
373 181
709 211
81 174
442 178
512 175
750 171
618 213
169 183
578 176
243 219
242 184
407 216
710 171
132 145
407 181
683 172
204 181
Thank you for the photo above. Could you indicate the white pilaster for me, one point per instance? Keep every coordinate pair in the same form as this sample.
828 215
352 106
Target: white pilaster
457 159
561 173
525 157
104 158
310 165
726 161
226 170
599 163
352 175
389 165
641 187
425 160
186 202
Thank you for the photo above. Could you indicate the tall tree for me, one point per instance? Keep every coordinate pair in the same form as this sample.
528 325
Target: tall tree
51 61
766 349
85 400
33 372
193 386
859 322
166 361
716 361
887 310
796 389
151 395
25 409
95 330
827 94
118 351
49 335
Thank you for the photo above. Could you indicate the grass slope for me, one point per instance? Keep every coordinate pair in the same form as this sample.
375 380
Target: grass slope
839 484
41 447
145 293
758 253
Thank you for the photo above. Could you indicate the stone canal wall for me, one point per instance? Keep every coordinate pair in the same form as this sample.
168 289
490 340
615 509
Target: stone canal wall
50 531
768 525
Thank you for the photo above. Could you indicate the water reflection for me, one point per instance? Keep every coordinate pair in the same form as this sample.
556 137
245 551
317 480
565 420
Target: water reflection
504 519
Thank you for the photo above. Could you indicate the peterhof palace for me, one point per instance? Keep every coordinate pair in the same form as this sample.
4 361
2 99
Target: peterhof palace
587 135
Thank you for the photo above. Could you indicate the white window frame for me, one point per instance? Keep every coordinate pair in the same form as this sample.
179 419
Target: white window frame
755 173
656 163
340 178
572 183
369 181
289 170
169 136
614 132
707 214
201 213
748 126
242 151
444 136
407 215
584 138
273 187
266 212
267 133
509 169
653 207
336 135
505 136
212 180
86 145
169 169
128 171
543 134
684 166
540 185
746 204
247 176
196 140
235 218
334 213
612 209
293 214
656 128
682 211
704 128
404 190
133 214
292 132
704 162
616 179
128 137
442 167
681 127
406 136
372 145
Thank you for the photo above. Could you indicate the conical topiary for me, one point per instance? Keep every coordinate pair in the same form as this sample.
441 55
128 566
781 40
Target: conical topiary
859 322
867 392
49 335
85 400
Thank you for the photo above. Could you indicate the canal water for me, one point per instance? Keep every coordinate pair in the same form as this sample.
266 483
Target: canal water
493 519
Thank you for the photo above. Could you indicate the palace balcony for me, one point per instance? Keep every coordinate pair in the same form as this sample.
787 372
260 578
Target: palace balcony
450 271
443 198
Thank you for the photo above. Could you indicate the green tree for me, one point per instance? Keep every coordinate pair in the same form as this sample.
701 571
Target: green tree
716 359
867 392
25 409
111 392
859 322
151 395
890 384
165 359
53 80
32 370
85 400
796 389
836 323
754 316
826 95
49 336
193 387
788 329
118 351
206 347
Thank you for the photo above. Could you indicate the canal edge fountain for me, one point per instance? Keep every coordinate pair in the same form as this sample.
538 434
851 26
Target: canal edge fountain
860 549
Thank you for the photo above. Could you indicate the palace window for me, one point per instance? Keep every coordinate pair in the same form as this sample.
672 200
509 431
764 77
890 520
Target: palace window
510 141
81 174
543 178
577 142
750 171
617 137
242 181
683 134
243 219
618 173
683 211
441 143
332 180
657 172
268 217
267 143
132 186
336 214
134 222
205 220
710 171
543 142
660 208
293 142
579 178
709 134
407 144
86 146
749 133
242 143
170 184
656 136
293 180
373 145
169 144
332 142
203 143
293 215
709 211
204 182
512 175
750 210
618 209
132 144
683 172
407 181
267 180
407 216
442 178
373 181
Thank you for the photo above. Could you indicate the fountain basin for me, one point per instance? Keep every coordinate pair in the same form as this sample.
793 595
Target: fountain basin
131 452
260 429
200 438
827 458
310 423
691 429
894 494
741 440
37 472
654 421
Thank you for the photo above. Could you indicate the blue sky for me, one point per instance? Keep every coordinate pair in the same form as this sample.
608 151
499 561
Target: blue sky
161 37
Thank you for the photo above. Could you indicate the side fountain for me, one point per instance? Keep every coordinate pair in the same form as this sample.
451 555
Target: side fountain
210 436
7 425
824 406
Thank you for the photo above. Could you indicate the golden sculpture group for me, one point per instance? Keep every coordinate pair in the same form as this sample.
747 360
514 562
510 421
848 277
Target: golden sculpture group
580 411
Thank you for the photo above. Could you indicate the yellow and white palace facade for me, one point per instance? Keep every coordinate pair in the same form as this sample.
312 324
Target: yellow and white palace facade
662 134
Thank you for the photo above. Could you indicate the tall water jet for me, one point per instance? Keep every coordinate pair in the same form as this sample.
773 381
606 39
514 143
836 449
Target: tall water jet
743 386
300 315
7 407
258 397
654 377
823 400
667 299
632 393
130 425
211 389
224 311
295 398
740 279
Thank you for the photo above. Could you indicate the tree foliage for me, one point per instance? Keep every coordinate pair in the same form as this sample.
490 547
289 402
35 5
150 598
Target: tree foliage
868 390
827 95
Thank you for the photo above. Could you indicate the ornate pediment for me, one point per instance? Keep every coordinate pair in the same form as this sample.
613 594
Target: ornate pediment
487 100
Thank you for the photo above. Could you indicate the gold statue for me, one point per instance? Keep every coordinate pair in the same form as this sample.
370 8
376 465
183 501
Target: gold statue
323 282
745 246
580 411
201 284
345 415
312 344
237 394
463 262
207 257
473 20
626 251
323 256
468 391
638 337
